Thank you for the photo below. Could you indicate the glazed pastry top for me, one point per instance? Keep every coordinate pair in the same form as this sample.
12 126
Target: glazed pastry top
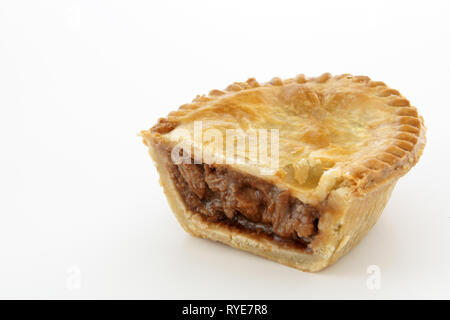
333 132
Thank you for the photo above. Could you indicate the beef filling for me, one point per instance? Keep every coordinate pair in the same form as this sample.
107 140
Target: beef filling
224 195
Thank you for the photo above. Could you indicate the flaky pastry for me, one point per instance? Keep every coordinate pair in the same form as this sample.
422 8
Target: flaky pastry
341 143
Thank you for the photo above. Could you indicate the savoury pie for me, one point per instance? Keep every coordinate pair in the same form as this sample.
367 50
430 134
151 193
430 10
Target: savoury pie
338 145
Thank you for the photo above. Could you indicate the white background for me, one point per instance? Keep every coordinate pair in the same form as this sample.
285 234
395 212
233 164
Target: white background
82 214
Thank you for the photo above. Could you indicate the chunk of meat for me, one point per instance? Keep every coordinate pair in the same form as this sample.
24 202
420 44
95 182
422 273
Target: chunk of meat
223 194
193 175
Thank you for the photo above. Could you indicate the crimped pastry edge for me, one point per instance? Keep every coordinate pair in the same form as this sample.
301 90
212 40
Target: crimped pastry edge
392 161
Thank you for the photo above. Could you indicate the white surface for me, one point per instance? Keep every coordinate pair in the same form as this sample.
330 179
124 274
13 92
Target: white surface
82 214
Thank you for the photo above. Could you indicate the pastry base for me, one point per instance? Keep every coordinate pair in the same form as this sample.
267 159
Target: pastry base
341 227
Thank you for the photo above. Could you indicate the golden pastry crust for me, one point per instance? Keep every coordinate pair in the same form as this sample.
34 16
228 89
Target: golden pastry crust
344 142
